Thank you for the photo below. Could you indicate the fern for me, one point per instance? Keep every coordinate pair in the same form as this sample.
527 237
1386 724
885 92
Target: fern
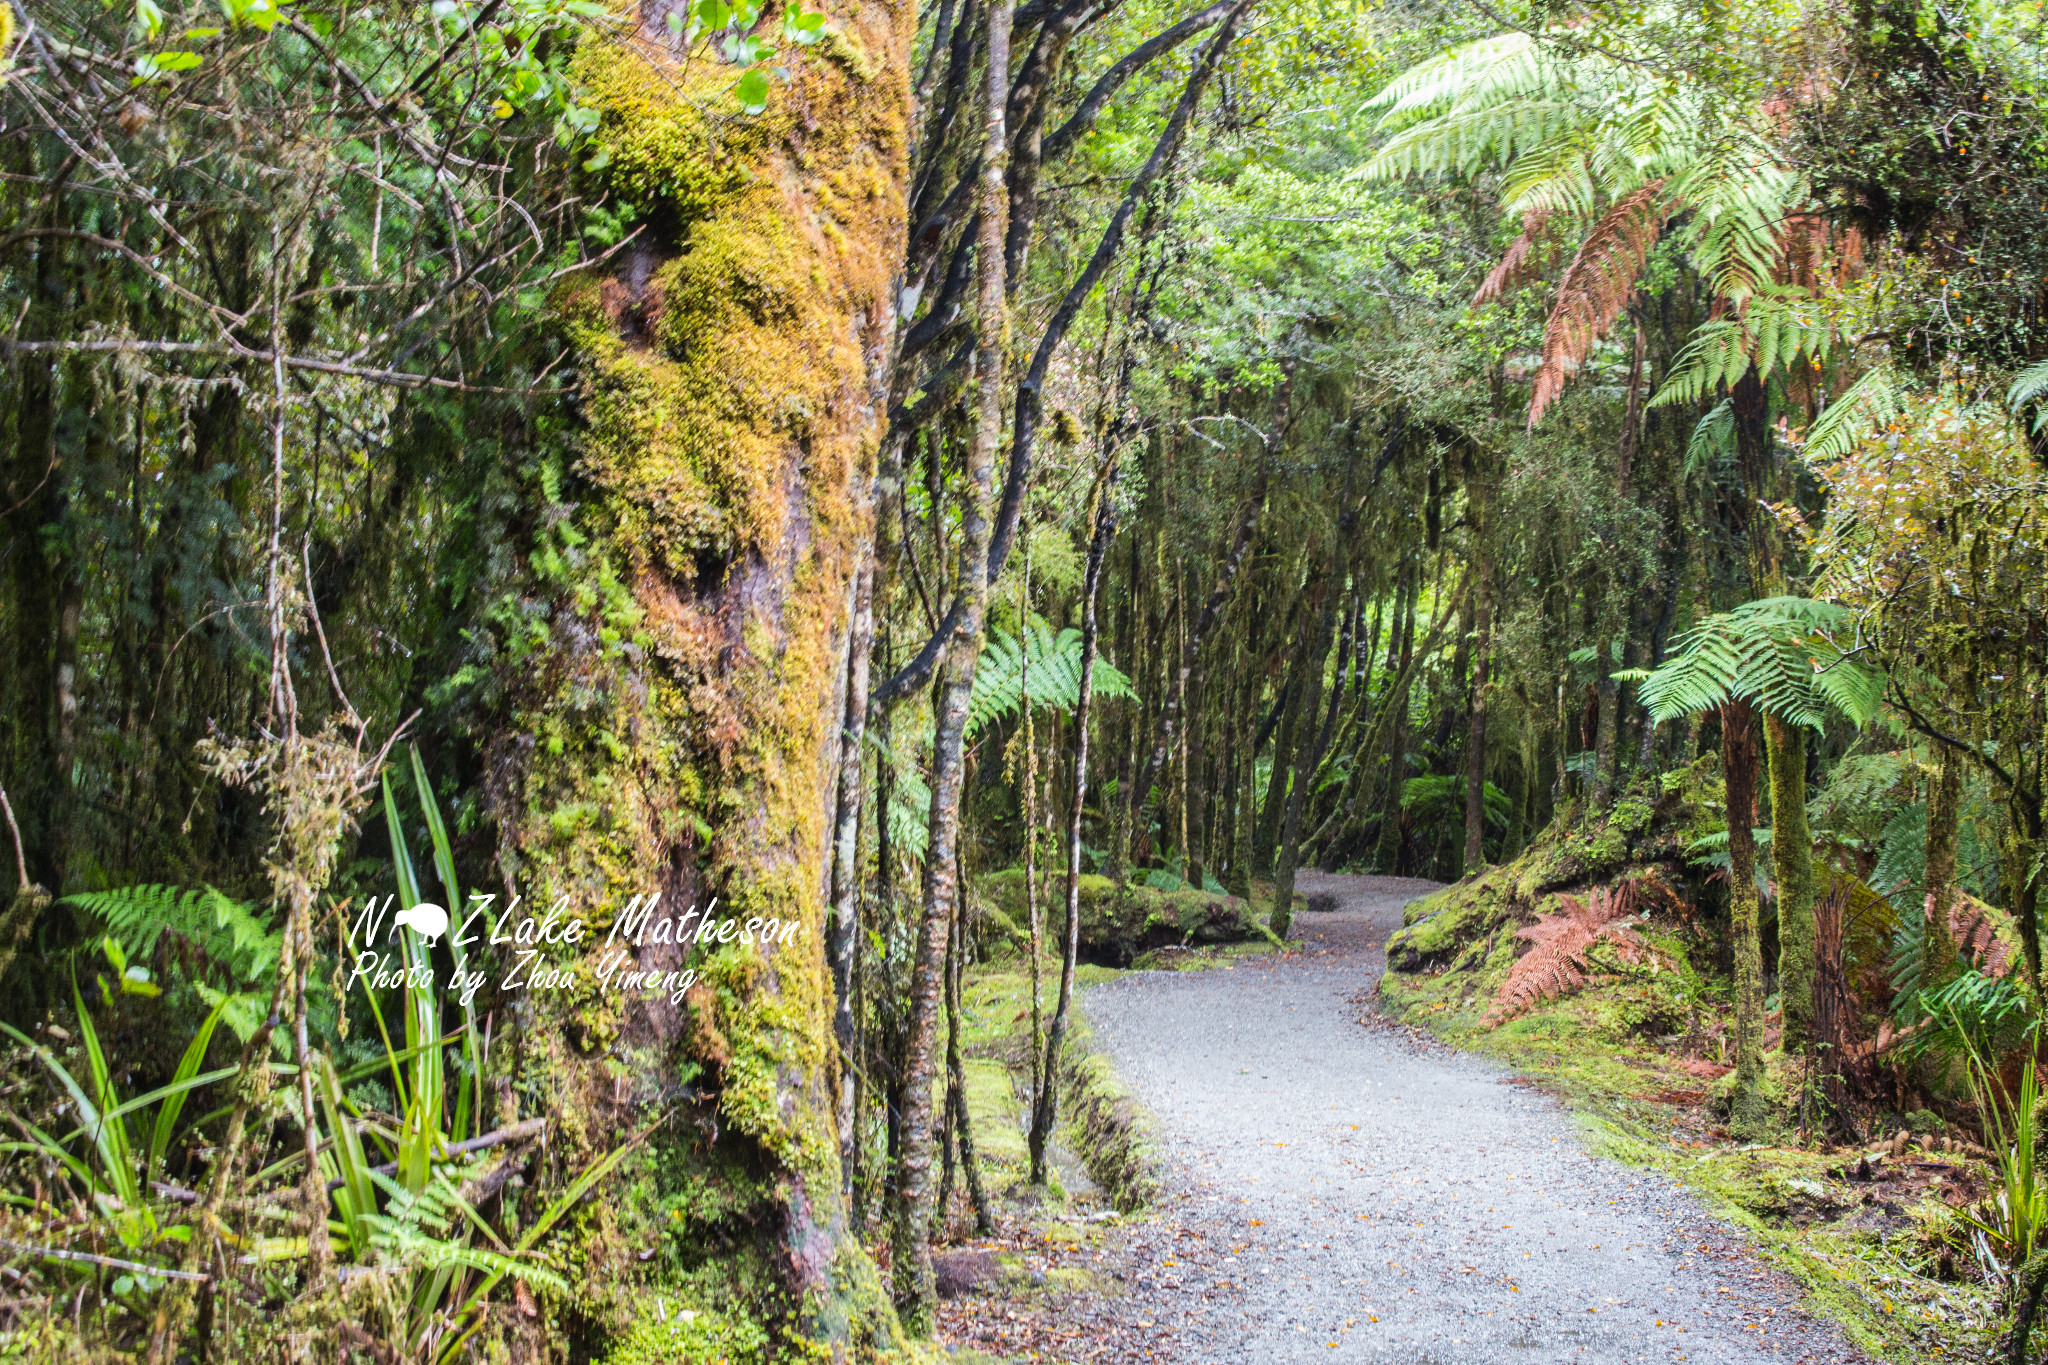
1624 151
1596 287
1055 674
1557 962
1713 438
223 930
1777 652
1870 402
2027 386
1781 325
1440 800
1516 265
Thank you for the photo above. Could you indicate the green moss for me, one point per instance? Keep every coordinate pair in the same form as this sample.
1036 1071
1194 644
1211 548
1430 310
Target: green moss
1118 924
1631 817
1449 921
689 1337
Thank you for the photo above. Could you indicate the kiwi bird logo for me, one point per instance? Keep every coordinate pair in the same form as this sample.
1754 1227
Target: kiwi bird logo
426 919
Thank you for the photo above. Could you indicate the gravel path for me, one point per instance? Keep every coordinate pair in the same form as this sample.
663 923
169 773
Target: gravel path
1343 1192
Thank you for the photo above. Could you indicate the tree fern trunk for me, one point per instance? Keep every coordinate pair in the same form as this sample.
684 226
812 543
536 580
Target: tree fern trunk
1792 862
1739 767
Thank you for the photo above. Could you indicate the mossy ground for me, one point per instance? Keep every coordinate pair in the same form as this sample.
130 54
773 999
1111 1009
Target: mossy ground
1637 1053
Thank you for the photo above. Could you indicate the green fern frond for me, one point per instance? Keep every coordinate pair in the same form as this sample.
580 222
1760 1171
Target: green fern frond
224 930
1781 326
1055 674
1552 178
1778 653
1713 437
2028 385
1510 62
1870 402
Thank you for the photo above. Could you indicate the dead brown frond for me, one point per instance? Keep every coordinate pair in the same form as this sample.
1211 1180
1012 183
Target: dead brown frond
1519 263
1974 927
1557 964
1596 287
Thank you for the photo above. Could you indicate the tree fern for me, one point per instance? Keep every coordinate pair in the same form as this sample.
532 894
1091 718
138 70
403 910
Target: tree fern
1777 653
1622 150
225 931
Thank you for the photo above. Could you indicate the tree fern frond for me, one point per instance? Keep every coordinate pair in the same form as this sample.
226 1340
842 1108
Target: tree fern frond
1596 287
1508 62
1778 653
1515 265
1704 363
1870 402
2028 385
1467 141
1551 178
1713 437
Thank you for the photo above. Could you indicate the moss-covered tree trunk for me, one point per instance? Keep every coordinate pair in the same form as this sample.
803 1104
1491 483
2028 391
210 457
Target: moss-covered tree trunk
1792 864
675 719
1314 654
1739 770
1266 840
1387 850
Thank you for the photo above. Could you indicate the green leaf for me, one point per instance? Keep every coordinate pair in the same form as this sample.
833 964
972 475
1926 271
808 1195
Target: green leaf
752 91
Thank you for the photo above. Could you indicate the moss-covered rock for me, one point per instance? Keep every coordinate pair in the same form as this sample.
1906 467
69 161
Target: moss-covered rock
1118 924
1471 923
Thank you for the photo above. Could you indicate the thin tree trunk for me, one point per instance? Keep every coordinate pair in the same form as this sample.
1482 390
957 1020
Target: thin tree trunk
1272 814
1475 733
1939 963
1314 656
1044 1109
1244 795
1608 692
845 928
1387 851
1031 909
956 1075
915 1296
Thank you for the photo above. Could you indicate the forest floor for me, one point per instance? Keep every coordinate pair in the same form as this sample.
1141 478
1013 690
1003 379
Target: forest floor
1336 1187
